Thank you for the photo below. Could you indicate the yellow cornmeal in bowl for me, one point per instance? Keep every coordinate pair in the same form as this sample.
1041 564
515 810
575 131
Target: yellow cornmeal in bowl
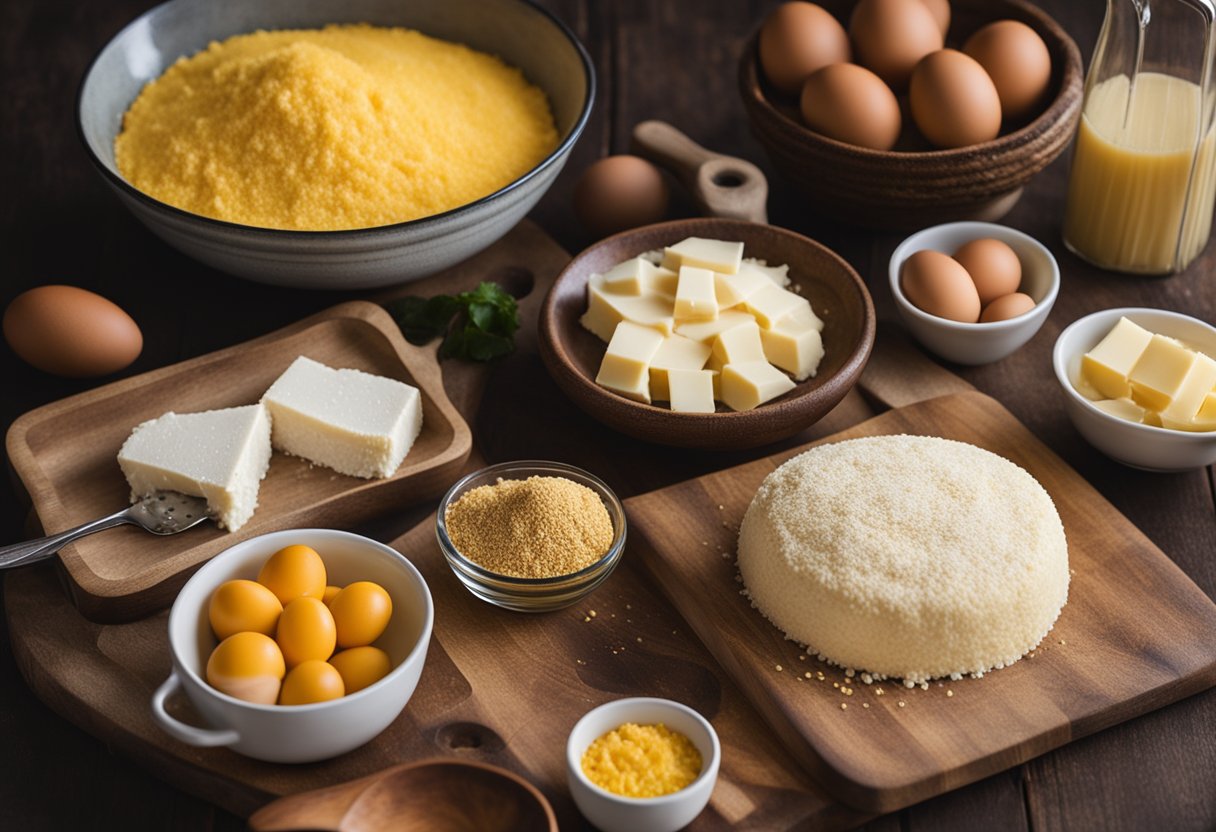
338 128
642 761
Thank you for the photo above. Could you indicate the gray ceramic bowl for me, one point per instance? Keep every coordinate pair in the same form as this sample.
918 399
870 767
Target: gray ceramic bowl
517 31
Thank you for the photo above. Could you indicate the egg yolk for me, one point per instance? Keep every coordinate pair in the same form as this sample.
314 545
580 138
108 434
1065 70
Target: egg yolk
248 666
361 666
361 612
294 572
311 681
239 606
306 631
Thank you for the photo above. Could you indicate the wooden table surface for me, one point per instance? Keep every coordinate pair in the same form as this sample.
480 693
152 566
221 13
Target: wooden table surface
674 61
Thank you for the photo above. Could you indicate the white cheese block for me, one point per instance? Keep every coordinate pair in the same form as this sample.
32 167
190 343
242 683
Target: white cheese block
628 278
707 331
777 274
749 384
675 353
734 289
605 310
772 303
626 365
715 255
692 391
796 350
1107 366
738 344
695 298
219 455
353 422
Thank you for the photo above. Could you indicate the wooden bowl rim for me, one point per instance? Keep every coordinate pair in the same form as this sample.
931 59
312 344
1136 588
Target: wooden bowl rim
1058 112
846 374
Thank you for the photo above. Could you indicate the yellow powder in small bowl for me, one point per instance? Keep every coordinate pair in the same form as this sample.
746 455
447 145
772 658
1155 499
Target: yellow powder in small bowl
642 761
337 128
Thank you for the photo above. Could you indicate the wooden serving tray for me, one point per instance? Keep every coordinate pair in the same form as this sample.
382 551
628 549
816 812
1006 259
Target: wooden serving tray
1135 635
66 455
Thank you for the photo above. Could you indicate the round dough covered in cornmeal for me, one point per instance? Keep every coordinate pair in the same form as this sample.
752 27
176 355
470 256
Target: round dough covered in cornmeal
906 556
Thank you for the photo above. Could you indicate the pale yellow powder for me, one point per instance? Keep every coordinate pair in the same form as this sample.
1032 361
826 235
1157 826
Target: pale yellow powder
343 127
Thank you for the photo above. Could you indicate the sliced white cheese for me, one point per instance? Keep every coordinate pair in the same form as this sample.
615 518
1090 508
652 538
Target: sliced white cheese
715 255
675 353
750 384
626 365
692 391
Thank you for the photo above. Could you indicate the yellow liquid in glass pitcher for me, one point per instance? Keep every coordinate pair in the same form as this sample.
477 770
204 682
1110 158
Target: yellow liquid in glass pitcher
1133 204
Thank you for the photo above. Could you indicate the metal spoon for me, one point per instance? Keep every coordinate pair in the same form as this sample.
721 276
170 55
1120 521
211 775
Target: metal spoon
161 512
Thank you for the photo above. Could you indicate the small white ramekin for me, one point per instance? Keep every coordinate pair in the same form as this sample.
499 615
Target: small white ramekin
614 813
297 733
1140 446
978 343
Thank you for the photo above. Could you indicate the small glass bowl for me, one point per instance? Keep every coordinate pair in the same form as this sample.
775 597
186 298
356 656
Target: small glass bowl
531 594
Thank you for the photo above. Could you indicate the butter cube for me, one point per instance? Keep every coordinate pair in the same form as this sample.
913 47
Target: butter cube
662 282
628 278
626 365
752 383
1205 419
1107 366
797 351
675 353
692 391
734 289
777 274
1125 409
1160 373
715 255
772 303
695 300
1191 394
707 331
739 344
605 310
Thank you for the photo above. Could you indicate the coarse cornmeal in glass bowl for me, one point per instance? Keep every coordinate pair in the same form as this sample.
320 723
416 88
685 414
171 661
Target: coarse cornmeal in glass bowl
490 540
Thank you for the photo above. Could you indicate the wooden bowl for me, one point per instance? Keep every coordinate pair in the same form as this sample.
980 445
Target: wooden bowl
838 295
914 185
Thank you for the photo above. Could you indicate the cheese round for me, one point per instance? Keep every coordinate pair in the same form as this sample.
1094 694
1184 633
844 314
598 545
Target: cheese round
908 557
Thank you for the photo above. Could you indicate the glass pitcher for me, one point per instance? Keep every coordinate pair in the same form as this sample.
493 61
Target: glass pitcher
1143 175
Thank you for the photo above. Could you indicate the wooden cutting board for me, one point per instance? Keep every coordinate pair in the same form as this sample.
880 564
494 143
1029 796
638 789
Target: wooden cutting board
1135 635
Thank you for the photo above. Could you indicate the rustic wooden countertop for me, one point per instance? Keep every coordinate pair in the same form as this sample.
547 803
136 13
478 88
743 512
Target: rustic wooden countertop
675 61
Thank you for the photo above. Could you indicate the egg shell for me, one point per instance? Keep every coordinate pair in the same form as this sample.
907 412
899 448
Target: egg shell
312 681
1019 63
994 268
71 332
330 592
953 101
851 104
239 606
361 612
361 666
294 572
940 9
935 283
891 36
1006 307
620 192
797 39
306 631
248 666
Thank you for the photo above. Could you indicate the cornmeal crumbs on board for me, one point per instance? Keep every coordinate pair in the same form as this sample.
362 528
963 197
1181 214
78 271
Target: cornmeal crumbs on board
541 527
642 761
338 128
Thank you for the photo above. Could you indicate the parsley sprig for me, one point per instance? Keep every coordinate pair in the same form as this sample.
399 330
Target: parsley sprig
478 326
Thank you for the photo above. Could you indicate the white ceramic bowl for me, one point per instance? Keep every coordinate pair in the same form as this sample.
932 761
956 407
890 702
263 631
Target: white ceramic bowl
613 813
519 32
1140 446
978 343
297 733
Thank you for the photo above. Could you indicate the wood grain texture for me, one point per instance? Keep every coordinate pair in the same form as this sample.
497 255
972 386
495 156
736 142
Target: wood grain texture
573 355
125 573
1135 635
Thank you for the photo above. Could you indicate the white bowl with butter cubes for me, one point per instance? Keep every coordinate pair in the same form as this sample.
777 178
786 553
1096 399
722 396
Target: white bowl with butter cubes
1140 386
707 333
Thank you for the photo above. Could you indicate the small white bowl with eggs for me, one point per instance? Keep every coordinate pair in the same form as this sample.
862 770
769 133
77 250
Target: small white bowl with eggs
296 733
964 342
1146 447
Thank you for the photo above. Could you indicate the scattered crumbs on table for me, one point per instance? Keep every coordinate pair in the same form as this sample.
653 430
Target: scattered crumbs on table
844 706
949 693
592 613
779 668
902 703
808 675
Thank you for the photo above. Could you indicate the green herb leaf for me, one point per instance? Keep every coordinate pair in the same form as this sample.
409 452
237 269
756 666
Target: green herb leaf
479 325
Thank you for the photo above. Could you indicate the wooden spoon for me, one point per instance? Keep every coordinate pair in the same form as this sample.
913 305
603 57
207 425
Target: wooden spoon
432 795
723 186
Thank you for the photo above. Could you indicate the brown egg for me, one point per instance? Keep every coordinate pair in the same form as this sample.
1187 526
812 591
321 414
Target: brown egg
849 103
71 332
620 192
937 284
1017 60
890 36
797 39
994 268
1006 307
953 101
940 9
